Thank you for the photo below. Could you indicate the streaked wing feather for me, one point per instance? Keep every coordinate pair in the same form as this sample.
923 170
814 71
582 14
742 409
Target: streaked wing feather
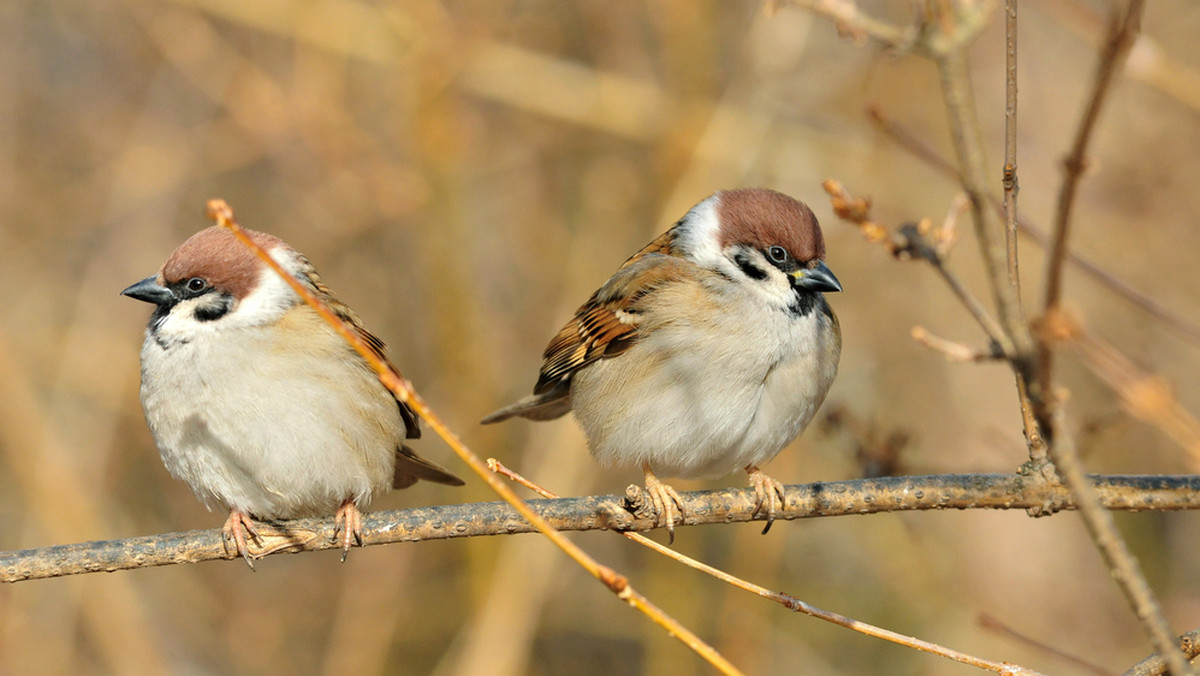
607 324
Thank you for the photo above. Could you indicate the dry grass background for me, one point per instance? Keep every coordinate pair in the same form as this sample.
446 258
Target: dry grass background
464 174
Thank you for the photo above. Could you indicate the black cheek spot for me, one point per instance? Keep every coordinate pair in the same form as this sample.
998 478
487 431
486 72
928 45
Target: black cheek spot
208 313
749 268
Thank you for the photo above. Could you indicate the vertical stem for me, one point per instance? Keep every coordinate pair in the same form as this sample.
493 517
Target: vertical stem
1121 32
1011 186
1034 438
968 148
1120 562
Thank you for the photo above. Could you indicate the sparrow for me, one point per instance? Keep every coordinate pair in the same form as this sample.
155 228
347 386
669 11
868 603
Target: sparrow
706 352
257 403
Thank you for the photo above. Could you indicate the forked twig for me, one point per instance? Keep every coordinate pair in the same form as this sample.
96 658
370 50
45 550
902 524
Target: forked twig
909 141
1032 363
912 241
404 391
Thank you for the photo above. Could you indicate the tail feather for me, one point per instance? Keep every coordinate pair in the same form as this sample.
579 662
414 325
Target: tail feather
547 406
411 467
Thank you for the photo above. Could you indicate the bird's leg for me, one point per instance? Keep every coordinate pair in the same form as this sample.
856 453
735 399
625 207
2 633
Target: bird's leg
666 501
235 529
348 524
769 495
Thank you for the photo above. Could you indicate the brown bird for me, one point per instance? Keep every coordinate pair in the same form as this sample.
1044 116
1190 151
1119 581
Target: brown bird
257 403
707 352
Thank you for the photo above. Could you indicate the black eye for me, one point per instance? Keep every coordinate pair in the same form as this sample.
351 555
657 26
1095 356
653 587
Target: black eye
777 254
196 285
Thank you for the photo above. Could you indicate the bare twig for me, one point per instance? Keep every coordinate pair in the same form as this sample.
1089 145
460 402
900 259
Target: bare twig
956 92
993 624
404 391
923 151
853 23
1032 416
1015 341
1154 665
930 34
1033 371
1121 563
911 242
1121 33
788 601
1099 522
947 236
835 498
953 351
1009 181
1146 396
909 141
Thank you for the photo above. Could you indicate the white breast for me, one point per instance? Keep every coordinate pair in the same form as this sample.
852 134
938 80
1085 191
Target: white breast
278 423
707 392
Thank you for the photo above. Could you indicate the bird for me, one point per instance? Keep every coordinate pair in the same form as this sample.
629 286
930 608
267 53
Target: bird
706 353
257 403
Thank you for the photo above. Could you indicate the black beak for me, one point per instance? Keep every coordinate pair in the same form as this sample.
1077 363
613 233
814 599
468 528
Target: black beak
819 278
150 291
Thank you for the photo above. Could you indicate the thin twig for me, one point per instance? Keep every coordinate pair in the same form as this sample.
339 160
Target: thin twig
786 600
995 625
1099 521
732 505
953 351
404 391
1016 342
921 150
923 36
853 23
1122 31
1146 396
911 243
1154 665
1120 562
1009 181
1030 414
956 91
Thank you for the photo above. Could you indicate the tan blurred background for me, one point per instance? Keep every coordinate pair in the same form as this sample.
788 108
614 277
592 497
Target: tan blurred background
464 174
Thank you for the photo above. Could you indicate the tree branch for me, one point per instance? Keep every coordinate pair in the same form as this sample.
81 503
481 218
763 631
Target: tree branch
909 141
1154 665
838 498
1121 34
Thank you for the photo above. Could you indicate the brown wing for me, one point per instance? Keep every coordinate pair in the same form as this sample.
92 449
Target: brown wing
412 426
607 324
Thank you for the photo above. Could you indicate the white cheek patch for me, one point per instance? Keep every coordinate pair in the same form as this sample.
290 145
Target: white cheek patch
271 297
700 234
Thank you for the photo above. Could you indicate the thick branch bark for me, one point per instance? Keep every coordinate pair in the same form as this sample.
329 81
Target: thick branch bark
865 496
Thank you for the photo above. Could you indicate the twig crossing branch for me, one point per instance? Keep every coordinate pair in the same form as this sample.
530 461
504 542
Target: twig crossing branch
838 498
